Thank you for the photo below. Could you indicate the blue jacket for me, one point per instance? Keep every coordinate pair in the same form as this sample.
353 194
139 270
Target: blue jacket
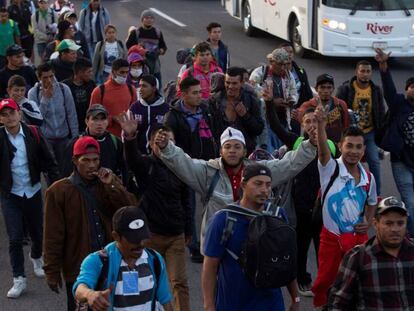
399 108
223 55
91 270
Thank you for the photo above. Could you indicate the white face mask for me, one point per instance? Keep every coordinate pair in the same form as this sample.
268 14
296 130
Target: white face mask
135 72
120 79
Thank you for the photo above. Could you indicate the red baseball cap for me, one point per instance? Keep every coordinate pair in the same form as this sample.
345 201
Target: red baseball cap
84 143
9 103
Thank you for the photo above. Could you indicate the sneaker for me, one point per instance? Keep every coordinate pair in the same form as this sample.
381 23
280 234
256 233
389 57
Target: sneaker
19 286
38 267
196 257
305 290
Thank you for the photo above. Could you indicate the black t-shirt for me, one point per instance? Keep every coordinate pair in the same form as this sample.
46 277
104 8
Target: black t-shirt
26 72
81 96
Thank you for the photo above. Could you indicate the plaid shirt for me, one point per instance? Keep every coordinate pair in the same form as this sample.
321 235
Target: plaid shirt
371 279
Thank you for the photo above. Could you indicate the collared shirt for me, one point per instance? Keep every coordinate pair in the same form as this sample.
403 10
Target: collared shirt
345 201
382 282
235 179
22 184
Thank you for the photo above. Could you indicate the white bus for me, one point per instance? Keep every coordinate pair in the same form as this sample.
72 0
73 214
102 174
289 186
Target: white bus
348 28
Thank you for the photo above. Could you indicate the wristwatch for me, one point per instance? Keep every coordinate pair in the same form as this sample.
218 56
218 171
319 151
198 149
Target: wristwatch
297 299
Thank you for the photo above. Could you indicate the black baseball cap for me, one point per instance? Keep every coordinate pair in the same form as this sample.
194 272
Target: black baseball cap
131 223
254 170
14 49
391 204
324 78
96 109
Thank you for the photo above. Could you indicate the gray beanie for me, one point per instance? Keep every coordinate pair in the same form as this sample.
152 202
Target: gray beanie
147 13
279 55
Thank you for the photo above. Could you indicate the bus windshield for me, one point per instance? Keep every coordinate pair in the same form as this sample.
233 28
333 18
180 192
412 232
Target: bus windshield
370 5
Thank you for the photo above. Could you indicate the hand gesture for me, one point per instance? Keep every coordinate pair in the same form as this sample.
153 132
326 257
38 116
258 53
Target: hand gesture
54 286
240 109
267 95
381 56
321 115
361 228
313 136
161 139
128 123
99 300
105 175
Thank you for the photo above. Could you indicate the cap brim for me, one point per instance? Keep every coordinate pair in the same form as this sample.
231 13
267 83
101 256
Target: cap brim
392 209
98 112
136 236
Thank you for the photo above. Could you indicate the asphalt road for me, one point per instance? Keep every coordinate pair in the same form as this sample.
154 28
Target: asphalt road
247 52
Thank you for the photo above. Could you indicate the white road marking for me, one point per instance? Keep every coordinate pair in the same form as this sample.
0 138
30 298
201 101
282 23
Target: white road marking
167 17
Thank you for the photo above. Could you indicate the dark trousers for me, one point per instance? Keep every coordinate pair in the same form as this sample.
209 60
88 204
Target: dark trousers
306 231
18 212
195 244
70 299
59 149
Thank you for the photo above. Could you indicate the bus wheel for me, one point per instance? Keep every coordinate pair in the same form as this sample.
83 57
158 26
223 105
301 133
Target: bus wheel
247 20
296 39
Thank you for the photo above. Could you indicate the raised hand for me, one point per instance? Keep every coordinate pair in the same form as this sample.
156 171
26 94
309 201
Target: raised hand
128 123
381 56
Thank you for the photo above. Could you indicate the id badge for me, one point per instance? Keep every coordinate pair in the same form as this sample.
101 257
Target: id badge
130 283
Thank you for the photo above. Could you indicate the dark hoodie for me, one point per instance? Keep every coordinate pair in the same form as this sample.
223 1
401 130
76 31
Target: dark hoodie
63 70
149 115
198 143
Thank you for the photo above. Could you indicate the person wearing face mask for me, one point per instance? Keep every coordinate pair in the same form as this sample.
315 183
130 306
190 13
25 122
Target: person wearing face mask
106 52
149 110
137 69
115 94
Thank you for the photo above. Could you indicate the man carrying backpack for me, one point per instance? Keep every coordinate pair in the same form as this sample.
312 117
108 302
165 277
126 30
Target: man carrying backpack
228 263
25 155
125 274
349 199
152 40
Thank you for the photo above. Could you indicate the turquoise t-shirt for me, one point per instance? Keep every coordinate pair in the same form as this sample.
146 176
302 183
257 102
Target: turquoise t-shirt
8 31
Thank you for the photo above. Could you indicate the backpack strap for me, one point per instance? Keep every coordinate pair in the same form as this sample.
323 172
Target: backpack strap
131 92
157 272
211 187
35 132
102 89
366 188
114 140
103 276
331 181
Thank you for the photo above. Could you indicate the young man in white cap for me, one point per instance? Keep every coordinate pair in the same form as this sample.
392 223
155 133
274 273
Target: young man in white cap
219 179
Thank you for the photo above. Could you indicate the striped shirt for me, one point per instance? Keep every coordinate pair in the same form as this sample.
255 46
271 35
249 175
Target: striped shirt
143 299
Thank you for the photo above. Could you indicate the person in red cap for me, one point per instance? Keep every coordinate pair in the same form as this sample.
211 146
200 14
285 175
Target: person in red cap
78 213
24 155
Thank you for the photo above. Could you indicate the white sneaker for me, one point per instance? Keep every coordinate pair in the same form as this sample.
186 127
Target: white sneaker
19 286
38 267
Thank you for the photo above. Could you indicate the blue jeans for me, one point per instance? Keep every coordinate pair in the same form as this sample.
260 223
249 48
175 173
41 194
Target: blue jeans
16 212
404 178
372 157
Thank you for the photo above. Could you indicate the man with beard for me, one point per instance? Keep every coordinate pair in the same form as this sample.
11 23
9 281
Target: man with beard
220 178
78 213
365 99
368 274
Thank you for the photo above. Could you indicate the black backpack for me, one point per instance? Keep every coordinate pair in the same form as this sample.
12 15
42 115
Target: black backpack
269 255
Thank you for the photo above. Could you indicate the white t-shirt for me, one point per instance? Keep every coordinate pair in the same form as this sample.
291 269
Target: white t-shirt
111 53
345 202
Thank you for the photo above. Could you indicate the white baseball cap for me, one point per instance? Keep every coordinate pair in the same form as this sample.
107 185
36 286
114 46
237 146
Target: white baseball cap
231 134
